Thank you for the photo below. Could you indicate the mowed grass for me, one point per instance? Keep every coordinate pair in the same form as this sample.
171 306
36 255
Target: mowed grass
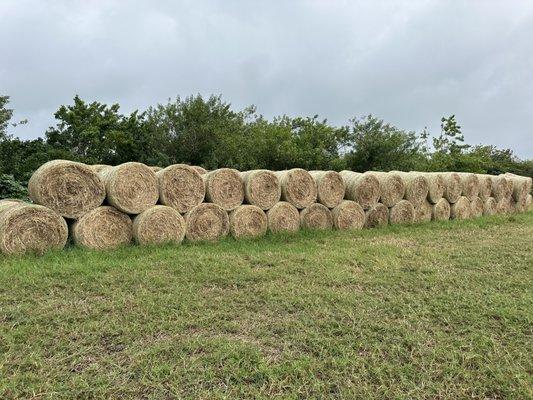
440 310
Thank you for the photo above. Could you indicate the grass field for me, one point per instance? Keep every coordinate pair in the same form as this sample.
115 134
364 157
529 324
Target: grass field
441 310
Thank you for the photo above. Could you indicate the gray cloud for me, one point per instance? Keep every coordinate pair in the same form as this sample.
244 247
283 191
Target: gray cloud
407 62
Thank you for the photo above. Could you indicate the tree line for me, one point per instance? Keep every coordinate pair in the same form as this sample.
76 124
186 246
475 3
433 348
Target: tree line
210 133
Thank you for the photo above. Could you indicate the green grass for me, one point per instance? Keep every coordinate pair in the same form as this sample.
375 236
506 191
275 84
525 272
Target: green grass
441 310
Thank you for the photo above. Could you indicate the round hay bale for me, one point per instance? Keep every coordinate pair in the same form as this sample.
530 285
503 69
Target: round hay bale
247 221
509 188
297 187
416 187
200 170
436 186
100 167
391 186
157 225
30 228
504 206
261 188
453 186
330 187
102 228
460 209
519 206
224 187
131 187
490 206
500 187
361 188
67 187
476 207
348 215
11 202
180 187
423 212
377 216
469 185
206 222
520 186
316 216
485 186
529 203
441 210
402 213
283 217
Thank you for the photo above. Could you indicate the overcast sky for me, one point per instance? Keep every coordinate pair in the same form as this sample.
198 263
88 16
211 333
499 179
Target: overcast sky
408 62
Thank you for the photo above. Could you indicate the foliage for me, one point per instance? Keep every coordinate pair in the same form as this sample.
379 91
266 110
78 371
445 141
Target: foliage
11 188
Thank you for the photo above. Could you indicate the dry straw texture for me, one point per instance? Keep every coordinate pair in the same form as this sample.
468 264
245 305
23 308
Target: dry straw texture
441 210
416 187
131 187
520 186
200 170
348 215
102 228
261 188
69 188
436 186
30 228
316 216
476 207
361 188
377 216
180 187
402 212
283 217
490 206
520 205
453 186
247 221
460 209
485 186
424 212
509 186
330 187
206 222
159 224
297 187
504 206
391 186
529 202
469 185
500 187
100 167
224 187
156 169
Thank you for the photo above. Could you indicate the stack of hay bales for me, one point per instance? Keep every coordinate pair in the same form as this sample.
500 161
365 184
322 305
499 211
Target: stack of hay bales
103 207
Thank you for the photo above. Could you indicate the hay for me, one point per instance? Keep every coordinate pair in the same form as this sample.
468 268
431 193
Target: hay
348 215
520 186
377 216
330 187
247 221
453 186
131 187
460 209
361 188
500 187
180 187
156 169
283 217
402 213
441 210
157 225
476 207
489 206
504 206
423 212
297 187
436 186
485 186
416 187
519 206
100 167
224 187
69 188
529 203
316 216
469 185
30 228
102 228
200 170
509 188
206 222
391 186
261 188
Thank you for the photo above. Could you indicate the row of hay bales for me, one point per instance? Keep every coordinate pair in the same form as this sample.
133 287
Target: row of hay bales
102 207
